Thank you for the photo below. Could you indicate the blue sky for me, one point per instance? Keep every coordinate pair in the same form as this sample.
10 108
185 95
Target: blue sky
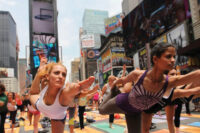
69 21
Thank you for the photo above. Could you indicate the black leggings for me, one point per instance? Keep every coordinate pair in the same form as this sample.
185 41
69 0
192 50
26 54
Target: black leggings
3 118
111 118
177 115
109 106
81 110
13 116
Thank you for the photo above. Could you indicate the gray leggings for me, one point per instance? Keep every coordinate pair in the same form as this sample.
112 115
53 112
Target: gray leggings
109 106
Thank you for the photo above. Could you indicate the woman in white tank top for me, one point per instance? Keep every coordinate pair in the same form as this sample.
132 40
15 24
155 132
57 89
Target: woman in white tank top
54 99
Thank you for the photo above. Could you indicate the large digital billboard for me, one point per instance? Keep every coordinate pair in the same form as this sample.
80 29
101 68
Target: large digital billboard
42 17
44 46
150 19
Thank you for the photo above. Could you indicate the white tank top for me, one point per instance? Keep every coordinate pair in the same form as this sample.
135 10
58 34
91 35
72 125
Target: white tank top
54 111
107 91
11 107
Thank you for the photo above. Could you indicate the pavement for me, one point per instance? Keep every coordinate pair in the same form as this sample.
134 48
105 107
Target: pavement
189 124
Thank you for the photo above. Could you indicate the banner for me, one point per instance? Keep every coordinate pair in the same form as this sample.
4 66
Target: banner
87 41
113 24
106 61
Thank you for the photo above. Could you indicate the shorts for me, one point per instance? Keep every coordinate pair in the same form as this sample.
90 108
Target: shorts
20 107
34 112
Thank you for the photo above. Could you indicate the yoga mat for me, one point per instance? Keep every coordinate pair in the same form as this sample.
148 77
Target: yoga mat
105 127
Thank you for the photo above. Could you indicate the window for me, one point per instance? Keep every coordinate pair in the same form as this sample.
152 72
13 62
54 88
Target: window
198 1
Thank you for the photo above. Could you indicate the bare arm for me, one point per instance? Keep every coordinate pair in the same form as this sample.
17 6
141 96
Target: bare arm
178 93
93 91
73 89
133 76
184 79
35 87
103 90
124 70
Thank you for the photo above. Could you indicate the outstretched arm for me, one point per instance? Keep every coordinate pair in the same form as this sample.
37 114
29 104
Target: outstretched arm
73 89
184 79
91 92
133 76
178 93
91 95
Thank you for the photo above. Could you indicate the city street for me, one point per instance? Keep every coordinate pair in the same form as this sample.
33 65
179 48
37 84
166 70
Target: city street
189 124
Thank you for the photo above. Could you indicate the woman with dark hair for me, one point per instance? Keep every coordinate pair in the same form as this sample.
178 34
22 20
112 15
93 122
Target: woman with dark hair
12 108
3 107
178 95
149 86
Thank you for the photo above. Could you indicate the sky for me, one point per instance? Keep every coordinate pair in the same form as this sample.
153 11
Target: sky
70 14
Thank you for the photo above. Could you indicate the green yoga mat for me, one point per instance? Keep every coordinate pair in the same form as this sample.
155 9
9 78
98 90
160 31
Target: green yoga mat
105 127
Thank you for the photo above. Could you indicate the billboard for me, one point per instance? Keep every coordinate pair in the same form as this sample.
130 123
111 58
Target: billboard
92 54
119 58
42 17
179 37
150 19
106 61
87 41
143 58
44 46
113 24
6 72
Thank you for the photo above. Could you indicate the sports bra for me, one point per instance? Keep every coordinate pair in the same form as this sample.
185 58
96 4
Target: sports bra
143 99
54 111
167 101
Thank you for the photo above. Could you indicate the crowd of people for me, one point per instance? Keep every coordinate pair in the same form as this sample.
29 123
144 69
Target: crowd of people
138 95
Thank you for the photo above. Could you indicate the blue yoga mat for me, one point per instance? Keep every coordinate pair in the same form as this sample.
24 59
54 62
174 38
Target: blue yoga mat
105 127
196 124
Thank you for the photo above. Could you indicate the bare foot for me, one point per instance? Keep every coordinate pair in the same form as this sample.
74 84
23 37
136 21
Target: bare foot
85 84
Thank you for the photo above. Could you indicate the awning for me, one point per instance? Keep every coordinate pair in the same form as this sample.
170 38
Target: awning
192 49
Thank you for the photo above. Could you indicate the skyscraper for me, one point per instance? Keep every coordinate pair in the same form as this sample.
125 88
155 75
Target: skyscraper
8 39
8 52
93 23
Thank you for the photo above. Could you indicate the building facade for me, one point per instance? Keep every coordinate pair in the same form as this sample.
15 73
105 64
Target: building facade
89 34
22 74
75 76
8 40
93 23
195 13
